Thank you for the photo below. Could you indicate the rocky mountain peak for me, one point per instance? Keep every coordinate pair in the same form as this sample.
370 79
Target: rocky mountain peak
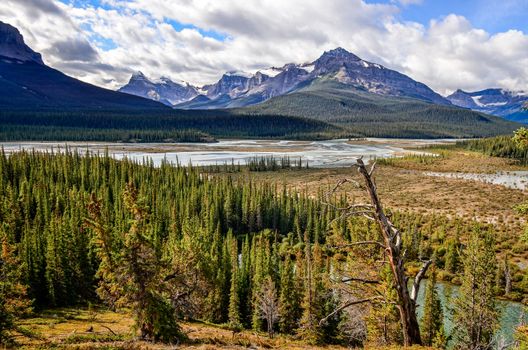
339 52
163 89
138 75
12 45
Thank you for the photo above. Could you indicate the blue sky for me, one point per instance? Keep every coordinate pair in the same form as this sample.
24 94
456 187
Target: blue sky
494 16
107 44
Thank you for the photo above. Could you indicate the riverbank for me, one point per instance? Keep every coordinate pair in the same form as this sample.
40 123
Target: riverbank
319 154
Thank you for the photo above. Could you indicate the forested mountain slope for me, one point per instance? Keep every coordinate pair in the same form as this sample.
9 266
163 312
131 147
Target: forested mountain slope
384 116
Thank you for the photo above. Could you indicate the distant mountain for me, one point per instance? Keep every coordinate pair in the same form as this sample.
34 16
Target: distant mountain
499 102
376 115
239 89
27 83
163 90
232 84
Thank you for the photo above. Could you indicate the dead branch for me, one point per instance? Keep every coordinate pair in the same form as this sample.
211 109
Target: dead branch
348 245
418 278
357 279
372 168
111 331
348 304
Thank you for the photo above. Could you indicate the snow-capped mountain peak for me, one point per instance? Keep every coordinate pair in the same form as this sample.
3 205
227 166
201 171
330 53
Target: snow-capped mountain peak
162 89
138 75
271 72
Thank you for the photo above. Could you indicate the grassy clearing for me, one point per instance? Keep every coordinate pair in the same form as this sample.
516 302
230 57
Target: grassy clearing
454 160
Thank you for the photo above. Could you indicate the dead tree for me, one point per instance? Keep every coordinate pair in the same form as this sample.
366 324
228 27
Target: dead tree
392 245
507 277
268 304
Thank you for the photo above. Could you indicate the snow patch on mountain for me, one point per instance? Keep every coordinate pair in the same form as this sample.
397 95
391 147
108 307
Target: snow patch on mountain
239 73
271 72
499 102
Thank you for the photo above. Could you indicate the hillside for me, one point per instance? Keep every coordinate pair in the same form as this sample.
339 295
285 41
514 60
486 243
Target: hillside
380 116
103 329
25 84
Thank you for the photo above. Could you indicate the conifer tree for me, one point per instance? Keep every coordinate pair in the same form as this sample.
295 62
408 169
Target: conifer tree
313 303
13 294
433 316
475 312
452 259
234 292
383 323
289 300
131 272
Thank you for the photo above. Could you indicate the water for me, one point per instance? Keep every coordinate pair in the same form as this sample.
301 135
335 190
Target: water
510 312
323 154
512 179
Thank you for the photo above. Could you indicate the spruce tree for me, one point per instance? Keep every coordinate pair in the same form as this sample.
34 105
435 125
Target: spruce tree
13 295
314 300
383 321
475 312
433 317
132 273
452 259
289 299
234 291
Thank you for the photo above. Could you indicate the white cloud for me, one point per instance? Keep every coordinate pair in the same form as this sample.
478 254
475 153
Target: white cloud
446 54
409 2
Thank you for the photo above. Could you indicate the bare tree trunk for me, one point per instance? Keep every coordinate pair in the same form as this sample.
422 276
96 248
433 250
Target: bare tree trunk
393 243
507 277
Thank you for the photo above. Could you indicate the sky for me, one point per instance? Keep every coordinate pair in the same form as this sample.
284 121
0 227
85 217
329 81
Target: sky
446 44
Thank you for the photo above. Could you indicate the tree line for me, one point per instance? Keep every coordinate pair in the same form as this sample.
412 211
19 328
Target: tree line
154 126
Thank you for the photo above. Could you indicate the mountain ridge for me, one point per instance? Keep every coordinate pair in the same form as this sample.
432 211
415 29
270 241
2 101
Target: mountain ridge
163 90
239 89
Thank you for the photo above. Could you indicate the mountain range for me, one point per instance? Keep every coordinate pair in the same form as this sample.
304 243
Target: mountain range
237 89
337 95
240 89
